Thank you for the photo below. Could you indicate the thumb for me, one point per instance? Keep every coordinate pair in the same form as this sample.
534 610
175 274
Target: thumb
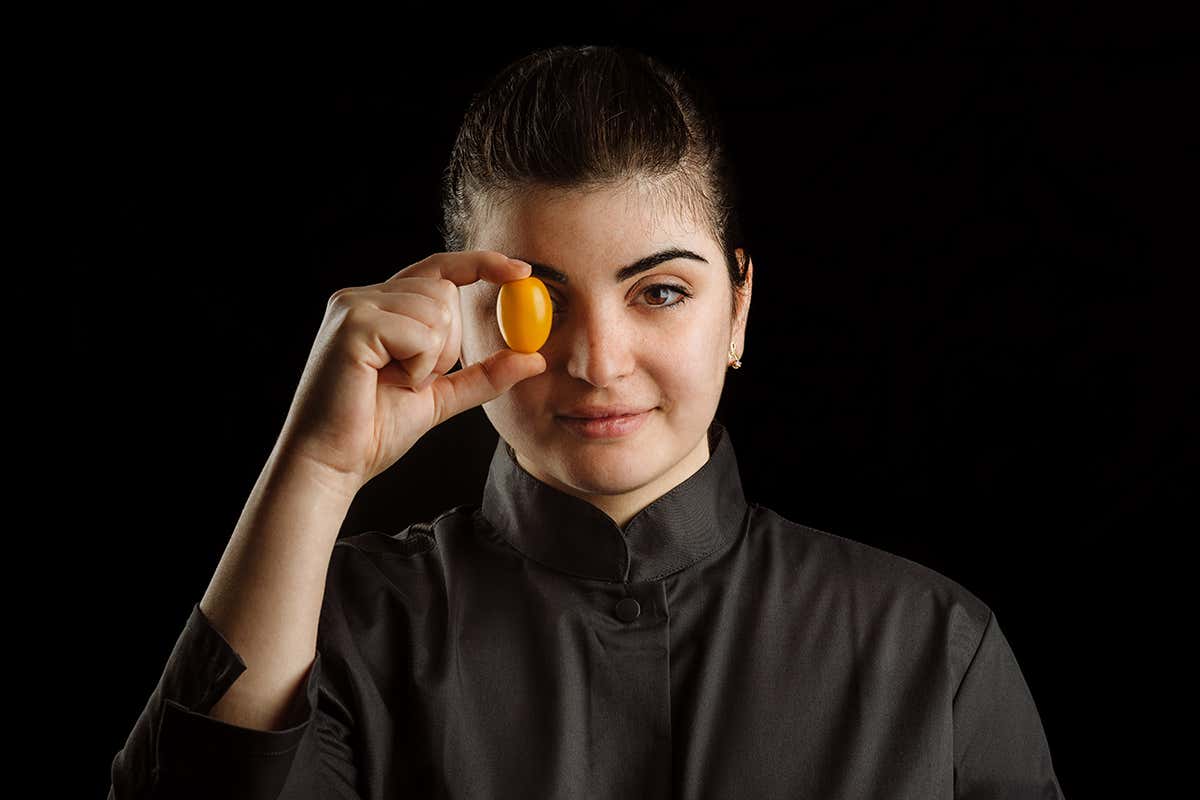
485 380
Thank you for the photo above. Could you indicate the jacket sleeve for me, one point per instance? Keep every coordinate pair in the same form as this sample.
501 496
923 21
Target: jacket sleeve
1000 747
176 750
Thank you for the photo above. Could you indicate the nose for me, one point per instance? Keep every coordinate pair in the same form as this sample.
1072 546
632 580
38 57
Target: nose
599 347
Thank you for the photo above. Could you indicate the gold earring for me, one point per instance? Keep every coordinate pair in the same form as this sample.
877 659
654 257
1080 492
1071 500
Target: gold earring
734 361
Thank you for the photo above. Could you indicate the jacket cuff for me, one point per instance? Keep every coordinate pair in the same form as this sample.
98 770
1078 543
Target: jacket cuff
200 755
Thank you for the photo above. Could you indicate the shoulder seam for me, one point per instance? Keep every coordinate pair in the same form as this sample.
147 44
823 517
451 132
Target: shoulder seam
924 568
425 526
454 510
975 654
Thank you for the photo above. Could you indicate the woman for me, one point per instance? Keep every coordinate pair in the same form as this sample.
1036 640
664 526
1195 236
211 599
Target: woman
614 618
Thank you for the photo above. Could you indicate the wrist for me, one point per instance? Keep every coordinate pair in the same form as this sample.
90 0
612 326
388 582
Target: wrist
294 464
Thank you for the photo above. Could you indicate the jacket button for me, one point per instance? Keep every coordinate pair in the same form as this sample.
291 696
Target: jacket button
628 609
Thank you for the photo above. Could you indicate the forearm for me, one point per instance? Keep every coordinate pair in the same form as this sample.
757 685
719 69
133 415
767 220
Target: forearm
266 594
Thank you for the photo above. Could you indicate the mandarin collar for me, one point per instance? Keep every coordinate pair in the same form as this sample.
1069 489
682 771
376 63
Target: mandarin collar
692 520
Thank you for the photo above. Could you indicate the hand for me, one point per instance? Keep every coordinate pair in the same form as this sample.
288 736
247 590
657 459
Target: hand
375 379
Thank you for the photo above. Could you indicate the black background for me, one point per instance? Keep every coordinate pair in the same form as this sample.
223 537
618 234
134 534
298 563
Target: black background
969 344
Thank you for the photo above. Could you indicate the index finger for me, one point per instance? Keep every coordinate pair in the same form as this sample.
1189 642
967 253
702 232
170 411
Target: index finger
464 267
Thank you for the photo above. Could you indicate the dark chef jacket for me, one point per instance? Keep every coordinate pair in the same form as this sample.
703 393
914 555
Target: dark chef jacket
529 647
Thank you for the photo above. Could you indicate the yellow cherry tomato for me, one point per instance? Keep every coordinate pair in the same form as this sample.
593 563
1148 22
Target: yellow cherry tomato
525 313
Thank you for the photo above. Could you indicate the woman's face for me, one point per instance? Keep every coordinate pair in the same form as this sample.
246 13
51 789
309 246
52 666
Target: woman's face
613 342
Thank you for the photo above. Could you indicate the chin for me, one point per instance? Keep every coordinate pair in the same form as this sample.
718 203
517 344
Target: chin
604 470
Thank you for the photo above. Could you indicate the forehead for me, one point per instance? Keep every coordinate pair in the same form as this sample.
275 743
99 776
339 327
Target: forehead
609 222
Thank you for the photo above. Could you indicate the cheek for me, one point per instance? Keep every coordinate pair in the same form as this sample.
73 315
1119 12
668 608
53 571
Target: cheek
706 354
695 342
527 405
480 333
681 359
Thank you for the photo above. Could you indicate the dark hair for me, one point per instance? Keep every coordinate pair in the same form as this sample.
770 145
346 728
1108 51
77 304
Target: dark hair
579 117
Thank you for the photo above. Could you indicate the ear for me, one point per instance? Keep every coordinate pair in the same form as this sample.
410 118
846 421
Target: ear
743 302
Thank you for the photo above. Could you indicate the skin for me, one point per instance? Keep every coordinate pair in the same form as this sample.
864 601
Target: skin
611 343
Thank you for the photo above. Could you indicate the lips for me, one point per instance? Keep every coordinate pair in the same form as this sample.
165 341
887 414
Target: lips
608 427
599 412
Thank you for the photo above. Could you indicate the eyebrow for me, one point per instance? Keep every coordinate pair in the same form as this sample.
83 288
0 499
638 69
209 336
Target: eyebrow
547 272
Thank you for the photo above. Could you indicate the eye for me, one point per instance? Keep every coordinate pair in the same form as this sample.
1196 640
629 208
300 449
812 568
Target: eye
683 293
